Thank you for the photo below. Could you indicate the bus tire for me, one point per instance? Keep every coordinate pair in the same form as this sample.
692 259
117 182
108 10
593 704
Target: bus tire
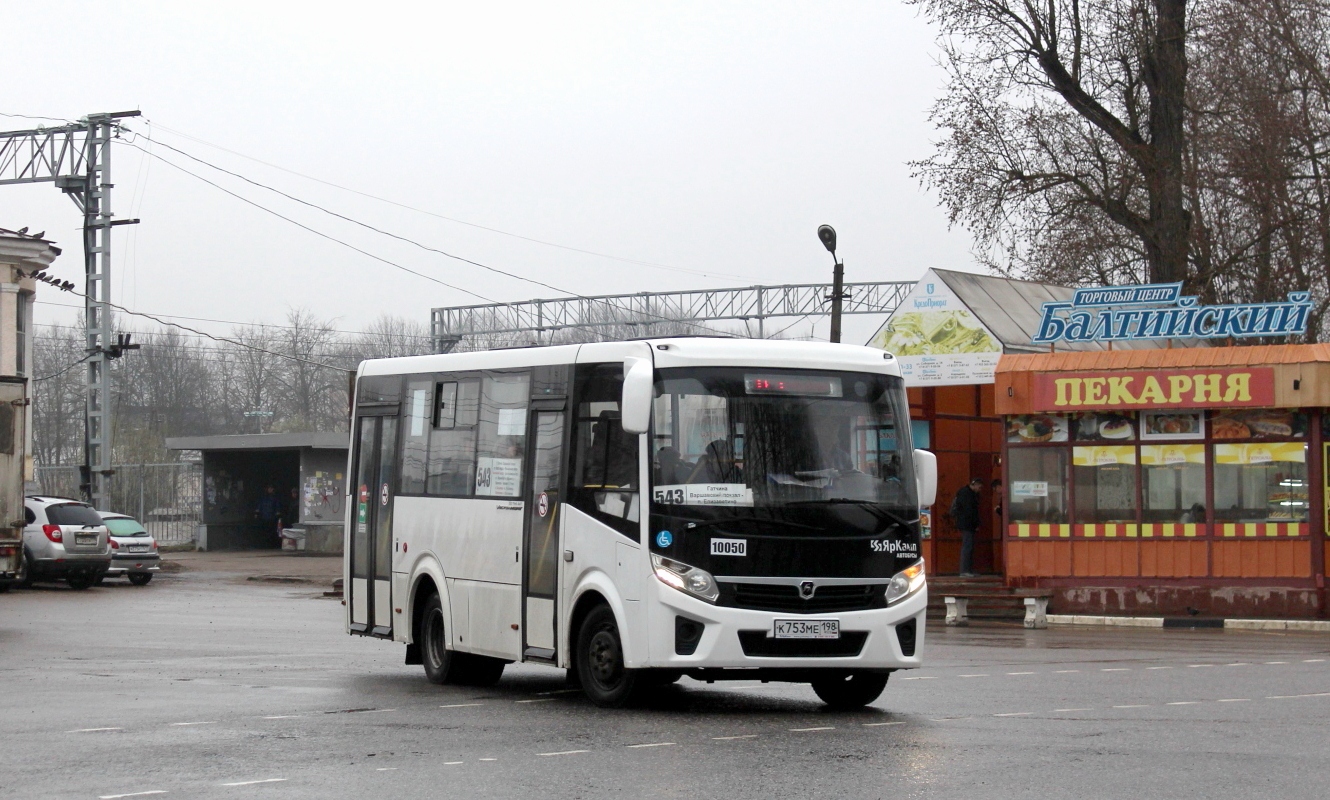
849 691
438 660
605 680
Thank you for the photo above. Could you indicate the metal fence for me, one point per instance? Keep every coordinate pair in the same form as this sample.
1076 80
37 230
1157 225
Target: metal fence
166 498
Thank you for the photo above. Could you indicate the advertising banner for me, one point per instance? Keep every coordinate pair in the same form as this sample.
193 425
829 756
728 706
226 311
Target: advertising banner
937 339
1195 388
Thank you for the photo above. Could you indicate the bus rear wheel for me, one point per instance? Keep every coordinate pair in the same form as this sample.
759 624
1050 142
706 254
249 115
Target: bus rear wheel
852 690
434 653
604 678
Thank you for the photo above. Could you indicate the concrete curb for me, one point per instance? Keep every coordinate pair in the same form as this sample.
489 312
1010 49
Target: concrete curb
1317 625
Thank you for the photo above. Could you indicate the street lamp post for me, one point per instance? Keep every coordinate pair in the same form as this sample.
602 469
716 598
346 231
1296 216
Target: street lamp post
828 236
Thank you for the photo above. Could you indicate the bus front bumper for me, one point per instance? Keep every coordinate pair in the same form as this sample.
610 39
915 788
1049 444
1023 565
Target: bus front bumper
741 639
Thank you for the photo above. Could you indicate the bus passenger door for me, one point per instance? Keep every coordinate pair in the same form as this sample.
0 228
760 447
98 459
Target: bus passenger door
371 536
541 537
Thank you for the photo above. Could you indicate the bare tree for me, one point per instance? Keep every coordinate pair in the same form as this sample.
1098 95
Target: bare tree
1063 111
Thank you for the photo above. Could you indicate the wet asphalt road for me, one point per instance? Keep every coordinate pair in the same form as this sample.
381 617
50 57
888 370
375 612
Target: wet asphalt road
205 686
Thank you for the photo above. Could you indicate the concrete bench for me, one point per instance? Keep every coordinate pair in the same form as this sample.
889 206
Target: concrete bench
1034 600
1036 606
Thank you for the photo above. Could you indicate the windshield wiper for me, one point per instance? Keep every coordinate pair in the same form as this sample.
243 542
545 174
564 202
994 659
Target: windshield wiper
868 505
786 523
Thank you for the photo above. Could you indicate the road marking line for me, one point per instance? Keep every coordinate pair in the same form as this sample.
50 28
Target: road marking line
94 730
1239 664
131 794
1115 669
251 783
1065 710
386 769
1297 696
564 753
921 678
880 724
1020 673
1194 666
1236 700
489 759
653 744
1159 668
284 716
1133 706
1276 662
980 675
560 691
1184 703
452 763
183 724
729 738
536 700
1065 670
1312 660
1015 714
805 730
462 705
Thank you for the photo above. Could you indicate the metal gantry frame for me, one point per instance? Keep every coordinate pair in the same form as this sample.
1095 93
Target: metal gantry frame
648 310
77 159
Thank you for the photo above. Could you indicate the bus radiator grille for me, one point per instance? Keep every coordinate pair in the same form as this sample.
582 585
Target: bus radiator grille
758 643
827 599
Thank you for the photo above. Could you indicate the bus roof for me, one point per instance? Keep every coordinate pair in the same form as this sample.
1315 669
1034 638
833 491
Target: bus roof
665 352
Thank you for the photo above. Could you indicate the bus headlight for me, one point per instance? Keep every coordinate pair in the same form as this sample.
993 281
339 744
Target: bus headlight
905 583
694 581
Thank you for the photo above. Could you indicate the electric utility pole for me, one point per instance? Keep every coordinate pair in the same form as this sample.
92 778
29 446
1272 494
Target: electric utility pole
77 159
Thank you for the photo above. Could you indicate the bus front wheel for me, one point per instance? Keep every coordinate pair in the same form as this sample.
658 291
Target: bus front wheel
853 690
604 678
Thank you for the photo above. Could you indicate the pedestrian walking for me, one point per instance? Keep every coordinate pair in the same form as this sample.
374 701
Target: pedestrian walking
965 516
269 512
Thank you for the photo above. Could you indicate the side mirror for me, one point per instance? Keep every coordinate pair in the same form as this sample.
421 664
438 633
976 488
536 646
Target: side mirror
638 389
925 477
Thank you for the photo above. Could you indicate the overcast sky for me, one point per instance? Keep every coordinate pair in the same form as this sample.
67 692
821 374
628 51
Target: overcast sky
710 138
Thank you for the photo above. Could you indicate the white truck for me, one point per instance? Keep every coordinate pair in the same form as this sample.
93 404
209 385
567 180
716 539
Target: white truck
13 447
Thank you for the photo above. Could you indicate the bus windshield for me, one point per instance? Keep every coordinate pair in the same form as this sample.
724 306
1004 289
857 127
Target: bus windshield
764 438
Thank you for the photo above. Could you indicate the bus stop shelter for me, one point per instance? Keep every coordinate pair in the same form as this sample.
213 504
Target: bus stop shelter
306 472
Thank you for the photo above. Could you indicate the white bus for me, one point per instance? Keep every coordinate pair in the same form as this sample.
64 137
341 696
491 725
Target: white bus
637 511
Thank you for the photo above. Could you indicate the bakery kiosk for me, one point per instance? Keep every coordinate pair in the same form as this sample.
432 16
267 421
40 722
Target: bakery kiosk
1170 481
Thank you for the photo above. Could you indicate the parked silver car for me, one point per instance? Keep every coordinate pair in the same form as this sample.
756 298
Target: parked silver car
133 550
64 540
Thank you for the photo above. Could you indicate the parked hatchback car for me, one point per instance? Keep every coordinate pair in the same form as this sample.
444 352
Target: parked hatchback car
133 550
64 540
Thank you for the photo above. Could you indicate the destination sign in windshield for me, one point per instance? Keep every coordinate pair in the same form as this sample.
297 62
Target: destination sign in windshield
801 385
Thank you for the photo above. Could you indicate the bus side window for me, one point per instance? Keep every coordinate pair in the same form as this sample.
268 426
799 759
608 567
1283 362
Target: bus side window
415 436
451 469
605 483
501 451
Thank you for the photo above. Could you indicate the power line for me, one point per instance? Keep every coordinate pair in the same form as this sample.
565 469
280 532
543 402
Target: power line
303 226
385 233
499 231
66 369
421 336
38 117
353 221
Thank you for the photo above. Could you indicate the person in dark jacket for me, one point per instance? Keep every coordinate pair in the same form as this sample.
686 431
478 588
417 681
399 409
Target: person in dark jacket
965 515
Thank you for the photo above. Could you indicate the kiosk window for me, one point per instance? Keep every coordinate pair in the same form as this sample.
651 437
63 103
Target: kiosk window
1038 484
1173 482
1261 482
1105 479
